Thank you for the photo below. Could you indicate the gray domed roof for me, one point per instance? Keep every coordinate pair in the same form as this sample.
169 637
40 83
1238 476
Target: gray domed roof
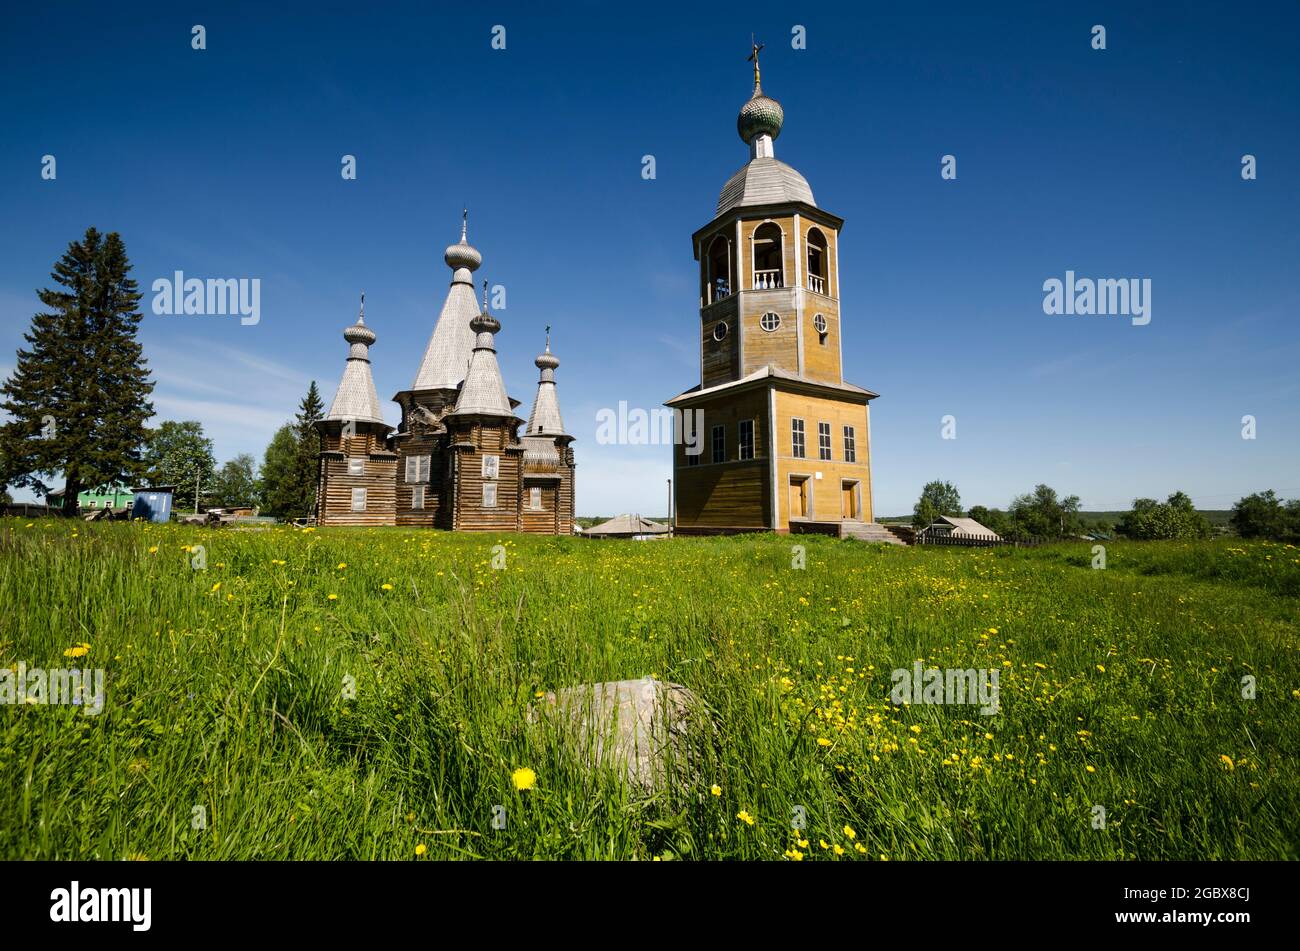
764 181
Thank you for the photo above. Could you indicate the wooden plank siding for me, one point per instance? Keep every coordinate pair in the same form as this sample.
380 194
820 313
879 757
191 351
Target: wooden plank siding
825 502
733 493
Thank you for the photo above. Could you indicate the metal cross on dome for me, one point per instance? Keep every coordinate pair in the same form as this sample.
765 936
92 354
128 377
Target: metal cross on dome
755 48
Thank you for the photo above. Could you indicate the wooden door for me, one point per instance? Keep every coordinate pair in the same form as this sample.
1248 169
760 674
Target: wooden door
798 496
849 508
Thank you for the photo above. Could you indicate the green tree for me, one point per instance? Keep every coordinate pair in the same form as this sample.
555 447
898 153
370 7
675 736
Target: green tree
994 519
178 454
1263 515
1176 517
310 410
279 490
1043 514
235 483
79 395
937 498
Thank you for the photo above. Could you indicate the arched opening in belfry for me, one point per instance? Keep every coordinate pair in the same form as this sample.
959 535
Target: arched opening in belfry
769 269
717 275
817 261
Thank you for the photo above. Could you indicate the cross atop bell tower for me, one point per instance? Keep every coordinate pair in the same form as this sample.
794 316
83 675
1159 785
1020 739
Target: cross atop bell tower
755 49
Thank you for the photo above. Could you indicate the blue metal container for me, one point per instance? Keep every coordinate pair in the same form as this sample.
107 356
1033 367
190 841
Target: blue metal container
153 504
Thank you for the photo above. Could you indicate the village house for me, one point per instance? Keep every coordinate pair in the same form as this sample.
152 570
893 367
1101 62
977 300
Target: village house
457 460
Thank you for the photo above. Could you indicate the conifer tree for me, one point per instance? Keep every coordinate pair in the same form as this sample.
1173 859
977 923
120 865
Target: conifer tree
78 397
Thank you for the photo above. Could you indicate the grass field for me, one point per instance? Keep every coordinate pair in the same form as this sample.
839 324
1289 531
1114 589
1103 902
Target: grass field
226 732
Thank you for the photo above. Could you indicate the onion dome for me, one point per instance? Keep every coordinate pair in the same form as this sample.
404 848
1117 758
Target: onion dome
485 323
359 332
762 115
547 360
463 254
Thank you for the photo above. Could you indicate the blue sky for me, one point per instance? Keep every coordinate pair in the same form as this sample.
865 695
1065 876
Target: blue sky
1117 163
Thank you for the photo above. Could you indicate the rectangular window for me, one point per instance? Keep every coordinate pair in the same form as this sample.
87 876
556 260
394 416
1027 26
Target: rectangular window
489 495
491 467
356 466
358 500
719 443
850 445
796 438
535 499
823 440
745 448
417 468
417 497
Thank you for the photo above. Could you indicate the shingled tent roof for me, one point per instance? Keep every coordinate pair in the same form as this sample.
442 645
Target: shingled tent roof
627 525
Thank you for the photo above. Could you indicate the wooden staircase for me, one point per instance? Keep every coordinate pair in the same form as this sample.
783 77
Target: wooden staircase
870 532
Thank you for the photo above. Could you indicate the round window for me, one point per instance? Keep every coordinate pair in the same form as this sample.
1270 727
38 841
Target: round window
819 323
720 330
770 321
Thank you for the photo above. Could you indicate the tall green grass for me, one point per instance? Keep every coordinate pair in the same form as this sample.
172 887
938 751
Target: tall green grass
226 706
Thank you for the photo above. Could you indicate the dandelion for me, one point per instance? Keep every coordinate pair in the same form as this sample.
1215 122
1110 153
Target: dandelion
715 789
1102 668
915 728
386 587
421 849
216 587
77 650
342 565
153 550
333 597
1090 768
849 833
523 778
745 817
1226 761
822 741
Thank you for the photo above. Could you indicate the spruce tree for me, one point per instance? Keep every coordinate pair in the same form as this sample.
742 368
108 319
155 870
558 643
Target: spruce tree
79 395
310 410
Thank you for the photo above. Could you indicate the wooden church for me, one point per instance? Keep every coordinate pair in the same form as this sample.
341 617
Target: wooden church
457 461
785 442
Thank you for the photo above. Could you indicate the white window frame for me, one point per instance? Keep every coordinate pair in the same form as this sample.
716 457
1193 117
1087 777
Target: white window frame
356 465
535 498
798 438
489 495
850 444
361 497
824 450
776 321
417 498
491 467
